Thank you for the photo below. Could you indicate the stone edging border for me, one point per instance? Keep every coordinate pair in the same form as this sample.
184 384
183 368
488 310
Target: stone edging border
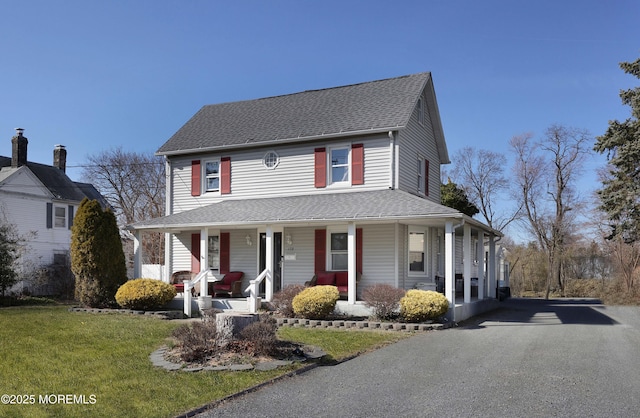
361 325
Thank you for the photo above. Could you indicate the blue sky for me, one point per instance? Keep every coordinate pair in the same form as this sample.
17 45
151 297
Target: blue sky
94 75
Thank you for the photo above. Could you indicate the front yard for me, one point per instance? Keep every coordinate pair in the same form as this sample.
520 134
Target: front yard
60 363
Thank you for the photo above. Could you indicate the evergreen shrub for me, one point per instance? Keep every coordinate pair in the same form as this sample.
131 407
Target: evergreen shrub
422 305
97 258
316 302
145 294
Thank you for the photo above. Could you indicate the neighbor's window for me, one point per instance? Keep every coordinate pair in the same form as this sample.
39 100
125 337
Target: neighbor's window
416 252
60 217
212 175
339 165
338 249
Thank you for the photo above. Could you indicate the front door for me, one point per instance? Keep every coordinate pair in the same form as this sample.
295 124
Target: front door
277 260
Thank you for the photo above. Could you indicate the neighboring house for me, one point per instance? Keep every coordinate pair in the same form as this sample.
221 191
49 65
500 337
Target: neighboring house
40 201
337 179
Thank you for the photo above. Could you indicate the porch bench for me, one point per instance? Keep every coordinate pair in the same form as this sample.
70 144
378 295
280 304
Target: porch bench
339 279
231 285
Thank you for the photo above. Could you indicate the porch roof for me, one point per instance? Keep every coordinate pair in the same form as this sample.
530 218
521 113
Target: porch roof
361 207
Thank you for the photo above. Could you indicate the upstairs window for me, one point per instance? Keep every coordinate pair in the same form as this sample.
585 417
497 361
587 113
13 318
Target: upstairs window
212 176
339 165
420 109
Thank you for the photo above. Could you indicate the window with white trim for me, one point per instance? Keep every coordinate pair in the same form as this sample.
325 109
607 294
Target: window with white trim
339 165
417 251
59 216
420 107
271 160
338 251
212 175
420 167
213 256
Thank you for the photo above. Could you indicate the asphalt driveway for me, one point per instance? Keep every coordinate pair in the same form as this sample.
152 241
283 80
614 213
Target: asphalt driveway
530 358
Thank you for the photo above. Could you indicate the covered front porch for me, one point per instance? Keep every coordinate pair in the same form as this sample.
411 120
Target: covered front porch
387 237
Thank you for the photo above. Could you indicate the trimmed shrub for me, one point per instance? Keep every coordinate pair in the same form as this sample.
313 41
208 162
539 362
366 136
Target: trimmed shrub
422 305
283 300
384 300
145 294
316 302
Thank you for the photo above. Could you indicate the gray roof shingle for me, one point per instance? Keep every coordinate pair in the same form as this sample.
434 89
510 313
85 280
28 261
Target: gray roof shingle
356 206
375 105
58 183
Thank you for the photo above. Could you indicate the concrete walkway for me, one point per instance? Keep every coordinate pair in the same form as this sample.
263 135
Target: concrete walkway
530 358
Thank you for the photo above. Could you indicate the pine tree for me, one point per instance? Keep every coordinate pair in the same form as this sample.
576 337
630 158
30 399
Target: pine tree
97 258
620 194
456 198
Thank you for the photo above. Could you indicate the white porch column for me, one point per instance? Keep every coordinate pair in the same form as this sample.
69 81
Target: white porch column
468 262
480 257
268 287
167 257
491 268
204 259
137 255
449 264
351 262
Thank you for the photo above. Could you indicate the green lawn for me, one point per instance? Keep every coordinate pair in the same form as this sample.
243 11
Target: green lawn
48 352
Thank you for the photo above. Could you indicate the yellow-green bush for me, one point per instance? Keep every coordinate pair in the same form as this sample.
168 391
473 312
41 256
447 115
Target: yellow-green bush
145 294
421 305
316 302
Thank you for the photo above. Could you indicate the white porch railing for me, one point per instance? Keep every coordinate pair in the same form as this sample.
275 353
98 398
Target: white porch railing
253 300
201 278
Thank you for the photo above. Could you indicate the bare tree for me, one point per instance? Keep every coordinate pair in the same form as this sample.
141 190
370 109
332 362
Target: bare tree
545 172
481 174
134 186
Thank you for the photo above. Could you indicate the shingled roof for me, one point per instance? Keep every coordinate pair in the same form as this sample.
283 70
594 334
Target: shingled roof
57 182
374 106
381 205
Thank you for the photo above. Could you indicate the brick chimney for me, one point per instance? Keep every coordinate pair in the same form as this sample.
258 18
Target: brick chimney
60 157
19 149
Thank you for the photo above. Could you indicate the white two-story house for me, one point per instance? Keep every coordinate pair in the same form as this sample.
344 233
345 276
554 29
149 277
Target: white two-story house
40 201
338 179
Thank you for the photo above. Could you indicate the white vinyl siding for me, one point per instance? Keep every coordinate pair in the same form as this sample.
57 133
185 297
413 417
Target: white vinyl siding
300 269
418 141
294 174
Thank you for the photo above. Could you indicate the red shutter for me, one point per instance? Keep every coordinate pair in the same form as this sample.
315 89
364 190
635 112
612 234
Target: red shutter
195 178
320 250
195 253
357 164
320 164
359 250
225 175
225 250
426 177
